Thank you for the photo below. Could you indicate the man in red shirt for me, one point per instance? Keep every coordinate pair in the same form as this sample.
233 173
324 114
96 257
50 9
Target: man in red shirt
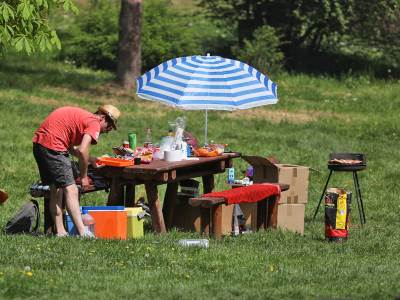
69 130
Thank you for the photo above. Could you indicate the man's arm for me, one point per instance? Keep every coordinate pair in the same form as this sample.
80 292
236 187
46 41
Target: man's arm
82 153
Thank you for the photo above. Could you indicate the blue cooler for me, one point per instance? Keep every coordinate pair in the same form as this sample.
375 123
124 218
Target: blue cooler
70 226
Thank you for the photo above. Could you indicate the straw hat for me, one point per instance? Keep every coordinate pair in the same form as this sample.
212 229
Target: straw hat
112 112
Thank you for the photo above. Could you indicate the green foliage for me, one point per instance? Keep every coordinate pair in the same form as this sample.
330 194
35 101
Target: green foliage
262 52
169 33
24 24
301 22
92 39
316 27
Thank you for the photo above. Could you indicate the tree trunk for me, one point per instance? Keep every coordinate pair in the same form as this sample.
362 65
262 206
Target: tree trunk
129 49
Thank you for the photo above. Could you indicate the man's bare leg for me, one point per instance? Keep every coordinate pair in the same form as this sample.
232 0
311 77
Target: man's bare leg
56 197
71 195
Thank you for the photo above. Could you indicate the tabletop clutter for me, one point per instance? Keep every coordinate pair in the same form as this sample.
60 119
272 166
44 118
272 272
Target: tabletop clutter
177 145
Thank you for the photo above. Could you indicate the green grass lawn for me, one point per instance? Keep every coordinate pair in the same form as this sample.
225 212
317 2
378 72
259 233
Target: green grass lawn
315 116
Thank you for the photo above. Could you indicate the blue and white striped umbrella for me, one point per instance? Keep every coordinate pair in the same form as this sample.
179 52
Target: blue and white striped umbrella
207 83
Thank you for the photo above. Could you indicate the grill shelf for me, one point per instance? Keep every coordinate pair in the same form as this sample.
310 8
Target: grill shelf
347 167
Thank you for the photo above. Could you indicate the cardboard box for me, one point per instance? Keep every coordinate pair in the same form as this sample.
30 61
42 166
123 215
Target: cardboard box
291 217
187 217
264 170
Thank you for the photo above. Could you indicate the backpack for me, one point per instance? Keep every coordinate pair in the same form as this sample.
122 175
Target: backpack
26 220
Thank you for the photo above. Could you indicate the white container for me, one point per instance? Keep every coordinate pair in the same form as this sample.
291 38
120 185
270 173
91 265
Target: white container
172 155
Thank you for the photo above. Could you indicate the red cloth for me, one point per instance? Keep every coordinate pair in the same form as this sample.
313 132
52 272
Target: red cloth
251 193
66 127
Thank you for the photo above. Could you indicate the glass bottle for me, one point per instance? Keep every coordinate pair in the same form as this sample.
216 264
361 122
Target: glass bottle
148 141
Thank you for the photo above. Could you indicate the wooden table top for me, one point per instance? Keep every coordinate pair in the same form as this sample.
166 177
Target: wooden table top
157 166
163 171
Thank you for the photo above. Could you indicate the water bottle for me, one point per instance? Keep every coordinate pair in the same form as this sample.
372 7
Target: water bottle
231 175
148 142
194 243
88 222
184 146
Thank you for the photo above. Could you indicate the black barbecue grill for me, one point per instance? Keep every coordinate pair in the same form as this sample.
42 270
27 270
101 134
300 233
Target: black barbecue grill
341 166
347 162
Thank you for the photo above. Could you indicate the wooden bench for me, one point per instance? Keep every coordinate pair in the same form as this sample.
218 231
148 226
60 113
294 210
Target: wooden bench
211 212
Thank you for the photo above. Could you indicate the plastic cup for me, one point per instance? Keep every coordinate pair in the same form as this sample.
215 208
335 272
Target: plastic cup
137 160
132 140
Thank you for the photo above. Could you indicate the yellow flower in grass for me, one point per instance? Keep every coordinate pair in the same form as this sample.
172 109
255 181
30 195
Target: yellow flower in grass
271 268
29 274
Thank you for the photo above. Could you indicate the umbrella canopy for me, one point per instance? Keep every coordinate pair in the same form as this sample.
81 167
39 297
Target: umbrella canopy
207 83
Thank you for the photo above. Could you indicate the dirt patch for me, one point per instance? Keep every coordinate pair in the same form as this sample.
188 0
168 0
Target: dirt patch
296 117
47 101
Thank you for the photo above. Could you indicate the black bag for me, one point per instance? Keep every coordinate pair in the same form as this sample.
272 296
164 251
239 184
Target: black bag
26 220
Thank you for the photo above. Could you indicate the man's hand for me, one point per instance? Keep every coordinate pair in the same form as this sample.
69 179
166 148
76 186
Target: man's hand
86 183
93 162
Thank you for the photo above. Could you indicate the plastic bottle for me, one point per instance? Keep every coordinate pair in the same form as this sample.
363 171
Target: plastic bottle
184 146
194 243
88 222
231 175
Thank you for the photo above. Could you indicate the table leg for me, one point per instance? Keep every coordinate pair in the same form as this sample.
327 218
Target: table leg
169 203
217 221
261 215
130 195
205 220
208 187
116 195
272 212
208 184
48 220
155 208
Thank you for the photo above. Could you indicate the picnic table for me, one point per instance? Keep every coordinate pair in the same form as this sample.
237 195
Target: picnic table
158 172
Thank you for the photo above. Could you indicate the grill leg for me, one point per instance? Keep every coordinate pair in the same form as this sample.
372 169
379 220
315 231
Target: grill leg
322 195
359 198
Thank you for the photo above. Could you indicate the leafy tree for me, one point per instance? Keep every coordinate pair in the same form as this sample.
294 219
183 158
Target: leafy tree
262 52
24 24
302 22
377 24
92 38
368 29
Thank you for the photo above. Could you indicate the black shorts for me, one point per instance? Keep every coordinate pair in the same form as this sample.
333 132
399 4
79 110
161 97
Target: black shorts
54 167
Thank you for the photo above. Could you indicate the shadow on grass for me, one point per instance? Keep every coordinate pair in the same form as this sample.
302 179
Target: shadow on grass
28 73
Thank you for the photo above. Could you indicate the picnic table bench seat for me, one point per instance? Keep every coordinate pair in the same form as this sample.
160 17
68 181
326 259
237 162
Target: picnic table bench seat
211 206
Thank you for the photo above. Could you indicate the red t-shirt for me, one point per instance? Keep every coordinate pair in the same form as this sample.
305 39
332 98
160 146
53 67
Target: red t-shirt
65 127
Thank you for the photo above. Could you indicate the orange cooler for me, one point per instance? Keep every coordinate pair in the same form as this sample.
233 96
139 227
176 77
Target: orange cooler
111 221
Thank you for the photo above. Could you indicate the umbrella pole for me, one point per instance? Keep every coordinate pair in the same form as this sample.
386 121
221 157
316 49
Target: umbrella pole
205 130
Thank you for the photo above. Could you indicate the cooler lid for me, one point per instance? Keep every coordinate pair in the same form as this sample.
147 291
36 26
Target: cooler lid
103 208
